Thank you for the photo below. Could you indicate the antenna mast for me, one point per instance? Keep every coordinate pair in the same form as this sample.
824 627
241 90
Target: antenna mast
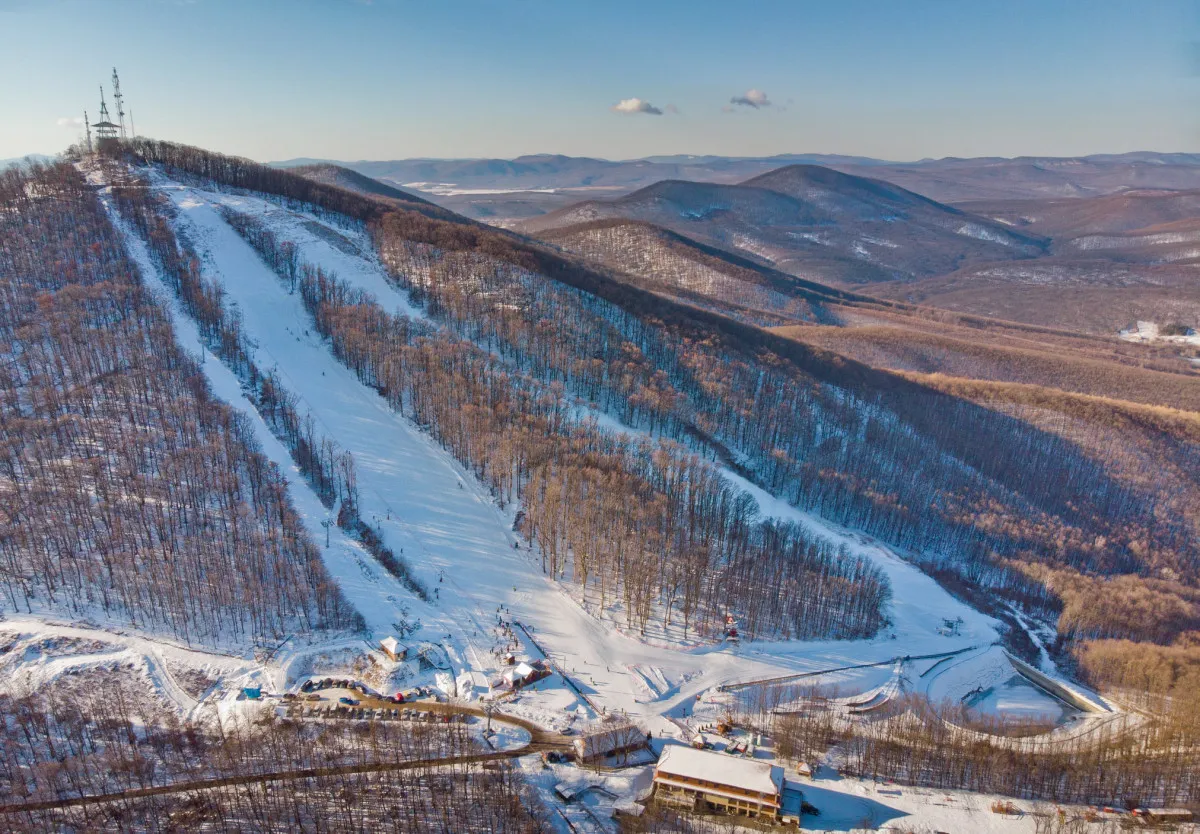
132 132
120 101
88 127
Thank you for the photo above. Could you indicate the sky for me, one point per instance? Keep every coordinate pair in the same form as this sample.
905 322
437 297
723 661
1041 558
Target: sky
391 79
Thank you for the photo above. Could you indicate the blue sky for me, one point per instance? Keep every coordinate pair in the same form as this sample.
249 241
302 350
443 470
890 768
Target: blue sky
398 78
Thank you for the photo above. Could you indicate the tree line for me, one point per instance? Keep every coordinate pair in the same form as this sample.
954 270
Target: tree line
919 743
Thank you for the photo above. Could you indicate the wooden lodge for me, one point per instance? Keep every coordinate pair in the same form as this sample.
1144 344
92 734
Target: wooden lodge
701 780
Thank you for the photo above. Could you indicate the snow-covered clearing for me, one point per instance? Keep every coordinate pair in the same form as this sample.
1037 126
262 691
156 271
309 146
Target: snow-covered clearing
1148 331
1017 698
30 662
855 804
981 233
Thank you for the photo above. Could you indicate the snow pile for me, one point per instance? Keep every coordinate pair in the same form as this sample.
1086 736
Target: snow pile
1148 331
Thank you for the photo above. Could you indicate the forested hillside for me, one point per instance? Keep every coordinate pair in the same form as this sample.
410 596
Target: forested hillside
618 399
643 522
102 736
670 264
988 495
1132 408
129 493
815 223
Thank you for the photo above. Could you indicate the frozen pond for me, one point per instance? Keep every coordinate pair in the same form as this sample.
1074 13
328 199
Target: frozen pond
1018 699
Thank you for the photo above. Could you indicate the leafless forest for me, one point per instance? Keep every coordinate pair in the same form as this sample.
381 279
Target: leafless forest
128 490
996 491
919 743
645 523
77 742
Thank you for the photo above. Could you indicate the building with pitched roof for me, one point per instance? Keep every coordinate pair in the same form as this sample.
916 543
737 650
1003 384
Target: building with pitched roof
703 780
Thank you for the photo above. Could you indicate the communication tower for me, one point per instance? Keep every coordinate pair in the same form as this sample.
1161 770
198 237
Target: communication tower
119 100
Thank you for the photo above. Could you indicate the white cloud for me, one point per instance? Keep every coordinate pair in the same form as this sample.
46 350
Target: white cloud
69 121
752 98
636 105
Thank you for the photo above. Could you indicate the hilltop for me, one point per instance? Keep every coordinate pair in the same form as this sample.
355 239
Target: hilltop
815 223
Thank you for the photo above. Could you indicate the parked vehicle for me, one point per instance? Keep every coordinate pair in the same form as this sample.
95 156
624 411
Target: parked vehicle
350 702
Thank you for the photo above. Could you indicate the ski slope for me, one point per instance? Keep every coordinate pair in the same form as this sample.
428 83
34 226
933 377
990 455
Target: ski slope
458 542
426 507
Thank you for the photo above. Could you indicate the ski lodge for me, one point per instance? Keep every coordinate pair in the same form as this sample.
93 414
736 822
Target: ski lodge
690 778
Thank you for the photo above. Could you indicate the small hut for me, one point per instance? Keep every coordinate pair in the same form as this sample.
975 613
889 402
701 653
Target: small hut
393 648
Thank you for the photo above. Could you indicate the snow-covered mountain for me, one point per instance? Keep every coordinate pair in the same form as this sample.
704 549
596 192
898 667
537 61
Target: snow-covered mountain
815 223
367 420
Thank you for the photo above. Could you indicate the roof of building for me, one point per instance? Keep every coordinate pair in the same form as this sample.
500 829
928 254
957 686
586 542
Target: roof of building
723 769
609 741
524 670
393 645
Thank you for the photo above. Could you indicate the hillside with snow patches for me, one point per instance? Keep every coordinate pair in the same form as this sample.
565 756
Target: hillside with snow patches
463 548
437 516
814 223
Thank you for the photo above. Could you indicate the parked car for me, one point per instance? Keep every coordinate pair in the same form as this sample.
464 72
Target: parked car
350 702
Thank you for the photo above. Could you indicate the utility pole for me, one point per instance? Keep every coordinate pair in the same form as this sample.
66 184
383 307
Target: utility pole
87 126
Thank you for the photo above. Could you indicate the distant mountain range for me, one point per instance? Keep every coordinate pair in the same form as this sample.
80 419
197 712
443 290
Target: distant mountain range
956 180
546 171
815 223
1124 211
1091 243
470 186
